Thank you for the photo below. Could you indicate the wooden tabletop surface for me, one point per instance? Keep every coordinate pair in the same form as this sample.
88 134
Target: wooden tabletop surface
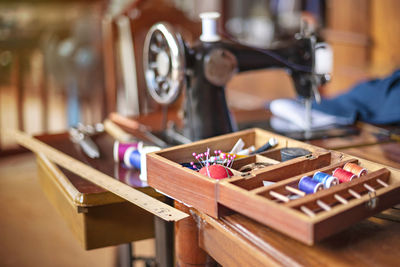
236 240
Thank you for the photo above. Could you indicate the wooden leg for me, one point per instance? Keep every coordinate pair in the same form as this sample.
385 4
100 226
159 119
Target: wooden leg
187 250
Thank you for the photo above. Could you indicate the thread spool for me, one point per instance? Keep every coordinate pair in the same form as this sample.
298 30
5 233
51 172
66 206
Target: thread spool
355 169
135 158
209 27
143 152
132 158
343 175
309 186
326 179
119 149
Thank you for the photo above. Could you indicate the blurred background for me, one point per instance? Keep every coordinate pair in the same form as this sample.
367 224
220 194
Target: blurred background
69 61
62 62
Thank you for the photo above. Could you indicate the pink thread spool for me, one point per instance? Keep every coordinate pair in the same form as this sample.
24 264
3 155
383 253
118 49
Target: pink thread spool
120 149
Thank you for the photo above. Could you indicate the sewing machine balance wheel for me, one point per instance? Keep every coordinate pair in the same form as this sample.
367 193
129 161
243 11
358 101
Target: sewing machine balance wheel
164 63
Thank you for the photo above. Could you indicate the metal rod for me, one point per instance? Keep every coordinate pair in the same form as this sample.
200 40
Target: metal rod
382 182
307 211
295 191
340 199
323 205
307 130
354 193
370 188
279 196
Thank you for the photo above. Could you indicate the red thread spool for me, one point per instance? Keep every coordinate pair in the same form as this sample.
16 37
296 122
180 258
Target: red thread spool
343 175
355 169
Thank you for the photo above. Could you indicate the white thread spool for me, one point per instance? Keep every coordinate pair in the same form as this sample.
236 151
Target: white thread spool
323 58
209 27
143 163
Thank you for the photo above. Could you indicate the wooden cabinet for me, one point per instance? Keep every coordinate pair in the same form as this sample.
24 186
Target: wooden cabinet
364 35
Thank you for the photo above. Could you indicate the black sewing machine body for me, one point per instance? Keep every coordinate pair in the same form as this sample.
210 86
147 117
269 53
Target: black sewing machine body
213 64
204 69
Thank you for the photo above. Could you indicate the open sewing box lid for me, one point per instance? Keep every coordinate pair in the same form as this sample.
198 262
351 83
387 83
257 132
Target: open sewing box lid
96 217
309 218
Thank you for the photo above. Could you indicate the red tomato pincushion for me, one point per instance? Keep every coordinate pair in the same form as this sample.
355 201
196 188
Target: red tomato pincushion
216 171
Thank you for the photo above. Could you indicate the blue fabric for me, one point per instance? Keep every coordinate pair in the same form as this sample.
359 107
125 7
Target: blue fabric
375 101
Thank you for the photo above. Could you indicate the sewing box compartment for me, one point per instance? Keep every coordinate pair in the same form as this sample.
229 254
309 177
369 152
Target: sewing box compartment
270 194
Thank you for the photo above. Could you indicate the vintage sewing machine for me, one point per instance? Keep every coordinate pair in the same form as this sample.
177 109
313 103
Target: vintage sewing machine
203 70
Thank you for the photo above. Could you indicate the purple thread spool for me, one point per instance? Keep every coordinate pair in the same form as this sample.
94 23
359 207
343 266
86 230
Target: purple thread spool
326 179
132 158
309 186
120 149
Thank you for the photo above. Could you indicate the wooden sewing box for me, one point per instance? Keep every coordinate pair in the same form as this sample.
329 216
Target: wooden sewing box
309 218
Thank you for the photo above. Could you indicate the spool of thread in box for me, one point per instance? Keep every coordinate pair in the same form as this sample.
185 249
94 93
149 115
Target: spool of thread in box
309 186
134 158
120 149
326 179
343 175
355 169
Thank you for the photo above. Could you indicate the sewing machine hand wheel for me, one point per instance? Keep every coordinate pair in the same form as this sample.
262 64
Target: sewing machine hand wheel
164 63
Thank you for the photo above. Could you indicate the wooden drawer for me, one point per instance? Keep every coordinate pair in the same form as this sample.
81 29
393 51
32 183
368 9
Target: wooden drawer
308 218
97 219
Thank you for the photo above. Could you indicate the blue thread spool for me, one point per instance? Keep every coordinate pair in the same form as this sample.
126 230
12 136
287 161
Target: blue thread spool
132 158
309 186
326 179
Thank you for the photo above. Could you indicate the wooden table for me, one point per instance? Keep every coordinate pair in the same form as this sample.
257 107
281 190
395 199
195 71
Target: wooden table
235 240
239 241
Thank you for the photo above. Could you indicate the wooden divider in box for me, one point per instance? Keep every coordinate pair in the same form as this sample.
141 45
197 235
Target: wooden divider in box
280 205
